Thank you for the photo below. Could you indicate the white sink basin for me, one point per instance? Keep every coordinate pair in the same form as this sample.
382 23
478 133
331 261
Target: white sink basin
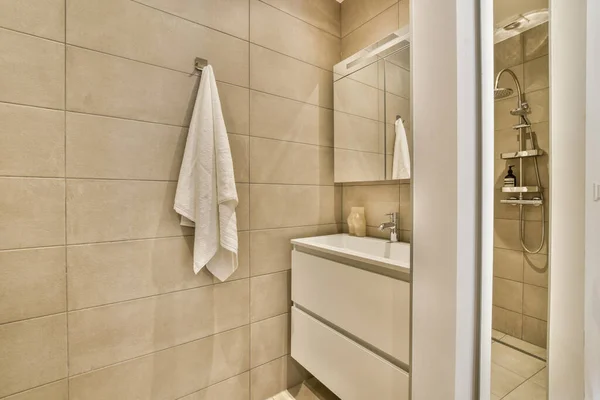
373 251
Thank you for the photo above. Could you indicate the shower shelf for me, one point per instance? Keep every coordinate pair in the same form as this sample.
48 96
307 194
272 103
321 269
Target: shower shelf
521 154
521 189
525 202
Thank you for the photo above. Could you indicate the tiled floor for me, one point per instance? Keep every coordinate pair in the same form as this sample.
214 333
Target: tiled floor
311 389
517 375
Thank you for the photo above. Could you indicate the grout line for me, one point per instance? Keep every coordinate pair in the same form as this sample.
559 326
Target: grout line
66 2
369 20
66 378
293 58
213 384
4 28
249 206
300 19
16 321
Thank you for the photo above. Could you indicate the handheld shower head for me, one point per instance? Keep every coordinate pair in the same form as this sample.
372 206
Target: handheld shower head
501 93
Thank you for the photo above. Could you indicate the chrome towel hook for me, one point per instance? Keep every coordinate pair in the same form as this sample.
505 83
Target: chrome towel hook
200 63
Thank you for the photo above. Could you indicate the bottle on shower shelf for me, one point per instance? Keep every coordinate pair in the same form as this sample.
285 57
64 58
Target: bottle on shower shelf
510 180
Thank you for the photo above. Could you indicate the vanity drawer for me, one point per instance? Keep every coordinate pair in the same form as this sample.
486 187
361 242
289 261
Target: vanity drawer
372 307
346 368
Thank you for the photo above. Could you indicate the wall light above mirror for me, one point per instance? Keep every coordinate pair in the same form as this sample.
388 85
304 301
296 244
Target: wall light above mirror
371 104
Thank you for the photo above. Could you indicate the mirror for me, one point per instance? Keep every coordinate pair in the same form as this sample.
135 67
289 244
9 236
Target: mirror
371 103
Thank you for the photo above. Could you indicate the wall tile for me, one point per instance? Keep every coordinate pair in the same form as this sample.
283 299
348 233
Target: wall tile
236 388
269 339
230 16
274 377
377 200
275 161
26 220
403 13
356 133
536 74
275 73
353 97
45 18
240 153
243 270
279 31
281 206
106 85
508 264
270 250
279 118
507 321
324 15
111 272
535 42
508 294
171 373
506 234
105 335
101 147
535 302
144 34
31 141
33 352
508 53
372 31
243 209
357 12
539 102
397 80
535 267
32 283
358 166
32 70
269 295
53 391
121 210
235 103
535 331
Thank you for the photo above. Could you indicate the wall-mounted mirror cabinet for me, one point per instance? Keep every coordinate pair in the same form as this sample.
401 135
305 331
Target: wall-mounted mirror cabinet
372 103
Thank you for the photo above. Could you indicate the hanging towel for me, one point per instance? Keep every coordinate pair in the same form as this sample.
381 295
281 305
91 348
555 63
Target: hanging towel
206 196
401 164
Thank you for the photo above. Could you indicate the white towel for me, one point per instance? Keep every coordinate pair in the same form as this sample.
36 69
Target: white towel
206 196
401 164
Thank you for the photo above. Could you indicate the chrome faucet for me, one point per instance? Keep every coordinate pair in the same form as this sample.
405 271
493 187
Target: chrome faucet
392 226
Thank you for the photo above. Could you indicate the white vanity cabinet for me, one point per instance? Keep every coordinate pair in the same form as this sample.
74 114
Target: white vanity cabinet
350 325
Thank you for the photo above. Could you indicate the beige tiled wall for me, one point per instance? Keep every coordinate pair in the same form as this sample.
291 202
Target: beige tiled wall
521 279
363 23
97 295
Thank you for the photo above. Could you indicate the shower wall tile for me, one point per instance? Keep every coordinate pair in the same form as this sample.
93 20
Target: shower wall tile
358 12
535 302
52 391
103 147
33 353
508 264
536 74
32 71
279 31
508 53
324 15
282 206
270 339
106 85
535 269
32 283
144 34
45 18
106 335
275 161
32 211
284 76
275 117
535 42
229 16
276 376
121 210
270 295
31 141
508 294
506 321
170 373
237 388
370 32
270 250
539 102
105 273
535 331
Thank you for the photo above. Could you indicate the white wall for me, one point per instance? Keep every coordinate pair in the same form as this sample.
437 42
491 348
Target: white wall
445 236
592 256
567 203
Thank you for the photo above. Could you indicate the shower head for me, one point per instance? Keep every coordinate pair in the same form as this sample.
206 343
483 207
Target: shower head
501 93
